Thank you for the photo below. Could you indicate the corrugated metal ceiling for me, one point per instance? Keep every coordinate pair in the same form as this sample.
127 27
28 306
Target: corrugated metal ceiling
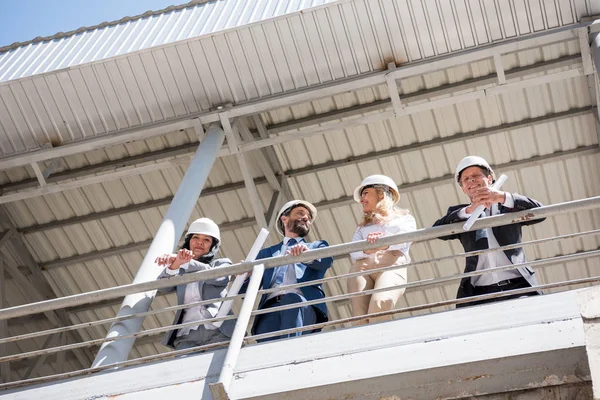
553 161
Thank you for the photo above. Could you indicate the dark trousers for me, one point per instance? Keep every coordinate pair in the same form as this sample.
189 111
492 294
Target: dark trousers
511 284
286 319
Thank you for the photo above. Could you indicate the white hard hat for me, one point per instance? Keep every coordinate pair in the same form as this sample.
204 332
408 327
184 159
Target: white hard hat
205 226
472 161
377 180
291 204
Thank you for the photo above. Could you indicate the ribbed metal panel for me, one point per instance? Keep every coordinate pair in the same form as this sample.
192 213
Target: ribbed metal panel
259 55
138 33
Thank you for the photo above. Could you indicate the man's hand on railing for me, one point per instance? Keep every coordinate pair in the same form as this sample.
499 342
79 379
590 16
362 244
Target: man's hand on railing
249 273
486 196
297 249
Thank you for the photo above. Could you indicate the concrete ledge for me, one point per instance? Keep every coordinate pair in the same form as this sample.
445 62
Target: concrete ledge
513 345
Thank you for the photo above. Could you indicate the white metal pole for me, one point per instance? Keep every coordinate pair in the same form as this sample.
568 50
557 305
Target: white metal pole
219 389
595 47
164 241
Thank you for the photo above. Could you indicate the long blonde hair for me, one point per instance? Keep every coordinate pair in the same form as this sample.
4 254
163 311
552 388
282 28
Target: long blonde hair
385 210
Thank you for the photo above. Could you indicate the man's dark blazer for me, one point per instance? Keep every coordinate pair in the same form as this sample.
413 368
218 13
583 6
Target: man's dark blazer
505 235
305 272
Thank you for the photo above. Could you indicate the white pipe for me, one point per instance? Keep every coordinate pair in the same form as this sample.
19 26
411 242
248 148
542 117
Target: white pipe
219 389
479 210
165 241
240 279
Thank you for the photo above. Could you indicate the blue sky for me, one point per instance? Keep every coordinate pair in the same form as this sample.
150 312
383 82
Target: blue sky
22 20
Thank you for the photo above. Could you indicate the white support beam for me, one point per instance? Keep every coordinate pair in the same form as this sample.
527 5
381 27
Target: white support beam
540 80
165 240
199 129
446 90
120 173
436 142
586 52
38 173
259 157
60 357
483 52
35 366
39 289
255 200
230 134
264 134
296 96
53 316
52 167
81 146
6 238
367 119
393 90
342 201
277 201
499 69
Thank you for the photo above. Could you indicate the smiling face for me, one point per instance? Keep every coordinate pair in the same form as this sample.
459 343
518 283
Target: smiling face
200 244
297 223
473 178
369 198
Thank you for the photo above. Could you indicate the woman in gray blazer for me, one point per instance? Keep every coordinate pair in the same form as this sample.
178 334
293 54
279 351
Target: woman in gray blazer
198 253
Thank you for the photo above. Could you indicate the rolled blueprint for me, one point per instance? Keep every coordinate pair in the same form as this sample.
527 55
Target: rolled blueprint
479 210
239 280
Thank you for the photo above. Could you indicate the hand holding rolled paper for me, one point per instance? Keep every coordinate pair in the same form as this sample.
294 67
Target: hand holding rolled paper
239 280
479 210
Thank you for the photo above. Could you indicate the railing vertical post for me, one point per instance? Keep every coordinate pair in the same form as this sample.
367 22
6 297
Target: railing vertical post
219 389
164 241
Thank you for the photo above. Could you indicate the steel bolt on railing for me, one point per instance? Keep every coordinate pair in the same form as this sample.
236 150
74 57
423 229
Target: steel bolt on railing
423 234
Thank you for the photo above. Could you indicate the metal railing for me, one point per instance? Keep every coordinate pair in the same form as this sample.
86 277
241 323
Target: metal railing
246 313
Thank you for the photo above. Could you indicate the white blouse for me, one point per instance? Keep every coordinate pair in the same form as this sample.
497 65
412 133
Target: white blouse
400 224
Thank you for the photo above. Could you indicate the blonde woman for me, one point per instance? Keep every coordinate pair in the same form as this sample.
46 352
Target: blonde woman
378 195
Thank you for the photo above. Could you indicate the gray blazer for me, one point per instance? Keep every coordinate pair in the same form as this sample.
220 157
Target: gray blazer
210 289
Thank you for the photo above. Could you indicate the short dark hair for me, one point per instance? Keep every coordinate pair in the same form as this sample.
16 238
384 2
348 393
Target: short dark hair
188 238
288 212
485 170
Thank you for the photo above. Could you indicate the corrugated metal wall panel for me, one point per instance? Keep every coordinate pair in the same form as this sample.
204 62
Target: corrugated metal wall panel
299 50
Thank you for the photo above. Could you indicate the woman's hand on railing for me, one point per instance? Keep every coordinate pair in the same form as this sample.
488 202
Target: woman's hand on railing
372 238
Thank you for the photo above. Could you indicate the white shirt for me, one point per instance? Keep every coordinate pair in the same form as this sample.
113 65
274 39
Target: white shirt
199 313
496 258
290 277
400 224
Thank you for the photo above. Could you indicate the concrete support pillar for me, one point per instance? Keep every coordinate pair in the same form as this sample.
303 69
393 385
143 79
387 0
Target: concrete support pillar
589 305
164 241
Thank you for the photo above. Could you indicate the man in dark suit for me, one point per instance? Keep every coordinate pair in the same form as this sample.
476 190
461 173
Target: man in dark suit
475 177
293 222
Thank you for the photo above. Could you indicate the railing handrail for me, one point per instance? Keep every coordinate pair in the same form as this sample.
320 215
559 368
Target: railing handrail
333 250
412 264
176 353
